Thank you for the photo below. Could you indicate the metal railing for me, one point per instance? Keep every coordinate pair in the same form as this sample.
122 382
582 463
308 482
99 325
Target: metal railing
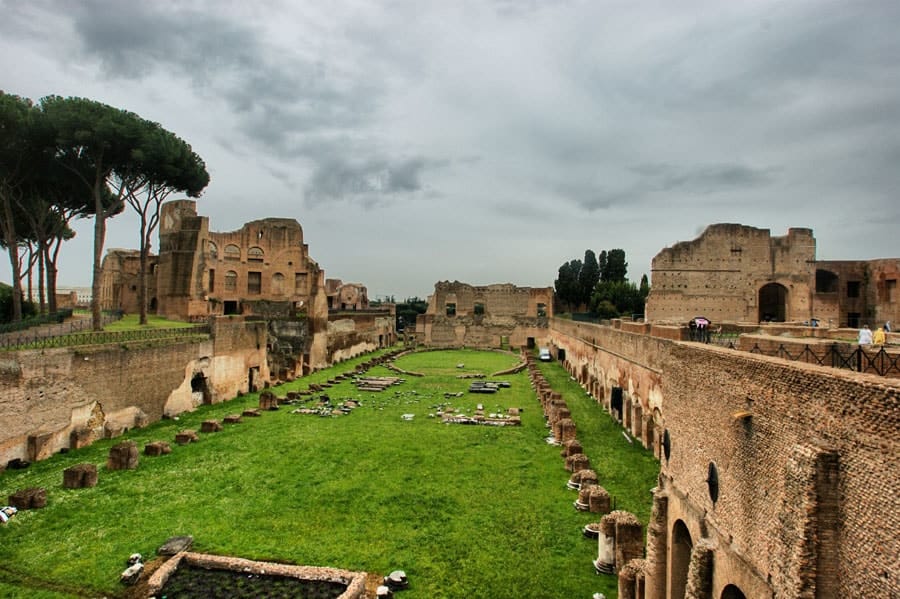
836 355
103 337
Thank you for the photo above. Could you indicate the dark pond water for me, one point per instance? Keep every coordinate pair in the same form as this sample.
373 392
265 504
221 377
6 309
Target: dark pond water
192 582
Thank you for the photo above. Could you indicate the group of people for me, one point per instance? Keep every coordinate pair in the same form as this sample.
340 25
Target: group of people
867 337
698 329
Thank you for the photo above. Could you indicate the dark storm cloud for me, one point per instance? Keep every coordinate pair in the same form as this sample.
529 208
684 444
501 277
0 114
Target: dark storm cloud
340 179
272 93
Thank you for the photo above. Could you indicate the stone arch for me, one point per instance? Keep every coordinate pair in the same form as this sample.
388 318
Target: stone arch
773 302
232 252
732 592
680 559
255 254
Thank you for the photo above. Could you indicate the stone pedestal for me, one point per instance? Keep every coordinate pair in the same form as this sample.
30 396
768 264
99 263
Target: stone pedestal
157 448
210 426
123 456
80 476
29 499
185 437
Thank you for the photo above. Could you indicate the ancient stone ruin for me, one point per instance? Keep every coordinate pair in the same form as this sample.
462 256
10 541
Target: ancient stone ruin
80 476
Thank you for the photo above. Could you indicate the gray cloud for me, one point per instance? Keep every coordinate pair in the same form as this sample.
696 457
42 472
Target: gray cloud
625 120
368 182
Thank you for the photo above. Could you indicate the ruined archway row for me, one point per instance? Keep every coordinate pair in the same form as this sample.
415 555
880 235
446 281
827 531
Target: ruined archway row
680 554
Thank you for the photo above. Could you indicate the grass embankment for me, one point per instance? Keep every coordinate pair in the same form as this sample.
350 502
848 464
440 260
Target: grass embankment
130 322
466 511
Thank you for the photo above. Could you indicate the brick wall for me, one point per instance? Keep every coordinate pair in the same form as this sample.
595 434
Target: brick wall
806 458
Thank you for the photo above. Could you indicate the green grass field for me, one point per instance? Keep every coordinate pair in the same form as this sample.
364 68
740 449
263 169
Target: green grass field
130 322
466 511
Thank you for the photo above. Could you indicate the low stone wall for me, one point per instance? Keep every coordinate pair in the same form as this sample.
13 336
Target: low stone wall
355 581
67 398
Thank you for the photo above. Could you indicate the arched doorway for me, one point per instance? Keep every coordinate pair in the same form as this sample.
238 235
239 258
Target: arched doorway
772 303
732 592
681 547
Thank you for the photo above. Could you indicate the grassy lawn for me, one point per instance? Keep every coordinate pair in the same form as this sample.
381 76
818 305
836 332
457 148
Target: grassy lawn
130 322
466 511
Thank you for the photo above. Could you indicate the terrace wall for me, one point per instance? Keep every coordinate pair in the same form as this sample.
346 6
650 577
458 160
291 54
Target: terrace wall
47 394
806 458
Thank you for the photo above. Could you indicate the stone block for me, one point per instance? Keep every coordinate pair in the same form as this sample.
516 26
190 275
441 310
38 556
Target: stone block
81 437
251 413
80 476
210 426
123 456
111 430
40 445
268 401
186 436
157 448
232 419
29 499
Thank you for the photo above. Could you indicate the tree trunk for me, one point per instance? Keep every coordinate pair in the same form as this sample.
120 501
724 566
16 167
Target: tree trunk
99 237
41 297
142 274
9 237
51 279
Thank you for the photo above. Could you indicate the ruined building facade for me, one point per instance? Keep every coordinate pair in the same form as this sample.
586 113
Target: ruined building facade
500 315
738 273
262 270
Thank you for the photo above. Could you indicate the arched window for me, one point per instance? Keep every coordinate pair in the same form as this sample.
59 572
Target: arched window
278 284
213 250
230 281
255 254
232 252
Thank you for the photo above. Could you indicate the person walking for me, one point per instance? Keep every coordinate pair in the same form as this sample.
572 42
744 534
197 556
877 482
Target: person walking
878 337
865 336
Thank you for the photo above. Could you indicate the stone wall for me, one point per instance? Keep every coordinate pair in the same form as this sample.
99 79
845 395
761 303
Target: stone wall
806 458
47 395
720 274
354 333
459 314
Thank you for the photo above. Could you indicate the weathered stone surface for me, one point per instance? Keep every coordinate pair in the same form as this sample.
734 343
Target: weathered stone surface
157 448
80 476
123 456
210 426
81 437
186 436
40 445
251 413
32 498
232 419
268 401
175 545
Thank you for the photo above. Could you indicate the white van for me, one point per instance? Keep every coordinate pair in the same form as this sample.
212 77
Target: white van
544 355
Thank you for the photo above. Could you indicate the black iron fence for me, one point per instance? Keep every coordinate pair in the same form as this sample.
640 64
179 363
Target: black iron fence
834 355
102 337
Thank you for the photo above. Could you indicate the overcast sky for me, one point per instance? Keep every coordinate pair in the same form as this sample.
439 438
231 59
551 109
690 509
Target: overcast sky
491 141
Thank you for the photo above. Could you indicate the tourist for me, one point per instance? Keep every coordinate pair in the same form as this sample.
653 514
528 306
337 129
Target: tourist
865 335
887 327
878 337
